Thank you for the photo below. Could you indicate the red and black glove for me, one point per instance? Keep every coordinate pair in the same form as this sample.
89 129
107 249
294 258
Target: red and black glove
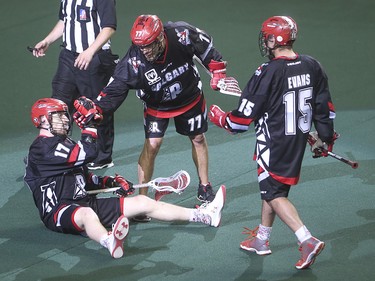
220 81
218 71
100 182
88 115
218 116
318 147
126 187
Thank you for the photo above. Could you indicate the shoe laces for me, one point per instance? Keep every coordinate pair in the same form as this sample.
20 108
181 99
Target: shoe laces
203 205
252 233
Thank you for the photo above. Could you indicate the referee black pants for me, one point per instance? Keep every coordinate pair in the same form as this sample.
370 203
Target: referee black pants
70 82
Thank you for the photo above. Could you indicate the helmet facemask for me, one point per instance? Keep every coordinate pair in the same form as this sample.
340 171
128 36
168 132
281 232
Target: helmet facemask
154 50
265 50
59 123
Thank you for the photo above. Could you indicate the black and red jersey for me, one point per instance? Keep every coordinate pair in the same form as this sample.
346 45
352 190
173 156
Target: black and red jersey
56 172
169 83
284 98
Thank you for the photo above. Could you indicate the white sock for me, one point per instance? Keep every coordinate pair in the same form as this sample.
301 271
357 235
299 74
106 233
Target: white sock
264 232
193 216
104 240
303 234
197 216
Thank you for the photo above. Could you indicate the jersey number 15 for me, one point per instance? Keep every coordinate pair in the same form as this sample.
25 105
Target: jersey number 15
294 104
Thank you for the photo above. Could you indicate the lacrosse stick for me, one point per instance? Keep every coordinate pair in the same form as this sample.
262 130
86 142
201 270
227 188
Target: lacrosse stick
351 163
221 84
162 186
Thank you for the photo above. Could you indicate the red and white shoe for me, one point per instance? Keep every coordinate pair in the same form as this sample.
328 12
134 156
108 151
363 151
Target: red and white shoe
254 244
309 249
117 236
210 213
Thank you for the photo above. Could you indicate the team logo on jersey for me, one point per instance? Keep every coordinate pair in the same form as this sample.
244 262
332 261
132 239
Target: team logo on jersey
183 37
135 64
259 69
152 76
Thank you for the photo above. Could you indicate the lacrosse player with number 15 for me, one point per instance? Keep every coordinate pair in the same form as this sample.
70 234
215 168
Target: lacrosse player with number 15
284 97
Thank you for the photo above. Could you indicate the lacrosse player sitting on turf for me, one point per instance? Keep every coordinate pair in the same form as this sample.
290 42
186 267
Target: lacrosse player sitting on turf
58 177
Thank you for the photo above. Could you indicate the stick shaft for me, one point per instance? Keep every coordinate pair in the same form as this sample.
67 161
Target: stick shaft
112 189
351 163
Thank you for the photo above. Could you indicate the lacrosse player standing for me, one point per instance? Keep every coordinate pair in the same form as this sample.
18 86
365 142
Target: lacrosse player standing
57 175
160 65
284 97
86 62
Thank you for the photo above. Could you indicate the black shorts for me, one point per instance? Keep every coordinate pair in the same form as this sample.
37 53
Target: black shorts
191 123
107 209
271 189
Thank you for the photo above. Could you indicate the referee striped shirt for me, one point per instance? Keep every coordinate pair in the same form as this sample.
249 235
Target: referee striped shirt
83 21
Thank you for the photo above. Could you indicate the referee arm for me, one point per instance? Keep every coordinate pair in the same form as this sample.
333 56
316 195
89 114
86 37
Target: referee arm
84 58
41 47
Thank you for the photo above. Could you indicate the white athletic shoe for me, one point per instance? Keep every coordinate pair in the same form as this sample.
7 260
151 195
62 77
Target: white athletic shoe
211 212
116 237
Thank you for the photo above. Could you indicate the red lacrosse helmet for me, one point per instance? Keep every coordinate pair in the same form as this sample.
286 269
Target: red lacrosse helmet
47 107
282 28
148 34
146 29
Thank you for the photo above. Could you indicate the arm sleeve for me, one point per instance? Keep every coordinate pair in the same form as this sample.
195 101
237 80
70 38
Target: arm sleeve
107 13
115 93
324 111
201 43
250 106
61 14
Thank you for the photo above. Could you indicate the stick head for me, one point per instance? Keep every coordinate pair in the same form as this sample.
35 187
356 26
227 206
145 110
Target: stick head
176 183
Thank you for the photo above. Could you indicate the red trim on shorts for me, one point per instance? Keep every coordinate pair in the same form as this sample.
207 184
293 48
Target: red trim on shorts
73 222
57 213
289 181
122 204
175 112
284 180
